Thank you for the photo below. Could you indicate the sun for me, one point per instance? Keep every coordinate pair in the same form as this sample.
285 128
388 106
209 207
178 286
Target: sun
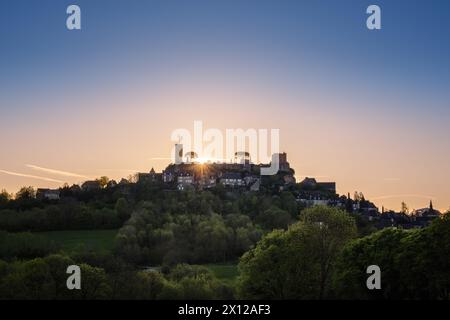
203 160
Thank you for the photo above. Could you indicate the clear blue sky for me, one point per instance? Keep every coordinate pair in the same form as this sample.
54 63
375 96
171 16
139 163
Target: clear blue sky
411 52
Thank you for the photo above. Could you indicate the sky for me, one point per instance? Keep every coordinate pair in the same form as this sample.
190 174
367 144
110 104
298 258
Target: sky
368 109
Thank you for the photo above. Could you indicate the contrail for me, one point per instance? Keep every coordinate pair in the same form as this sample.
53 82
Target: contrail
57 172
30 176
393 196
118 170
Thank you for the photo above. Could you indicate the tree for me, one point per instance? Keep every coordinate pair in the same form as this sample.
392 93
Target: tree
33 280
196 283
274 218
26 193
435 257
184 270
289 203
414 264
129 284
297 263
404 209
122 210
57 265
349 204
359 197
103 181
331 229
381 249
211 239
24 246
4 197
94 283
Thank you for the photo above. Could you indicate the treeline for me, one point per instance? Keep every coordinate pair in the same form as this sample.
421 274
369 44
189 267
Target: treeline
320 258
414 264
76 210
185 238
24 246
111 207
206 227
104 277
201 227
72 215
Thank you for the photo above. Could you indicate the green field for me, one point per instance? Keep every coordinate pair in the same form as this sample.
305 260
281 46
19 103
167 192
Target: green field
225 272
103 241
98 240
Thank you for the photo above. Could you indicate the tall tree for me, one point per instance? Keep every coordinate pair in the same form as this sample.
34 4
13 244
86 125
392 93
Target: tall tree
26 193
404 209
297 263
4 197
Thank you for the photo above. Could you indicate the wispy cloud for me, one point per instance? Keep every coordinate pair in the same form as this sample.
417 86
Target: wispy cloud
17 174
57 172
402 196
391 179
119 170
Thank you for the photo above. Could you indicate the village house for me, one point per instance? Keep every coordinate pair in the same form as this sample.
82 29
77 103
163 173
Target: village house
48 194
91 185
152 176
232 179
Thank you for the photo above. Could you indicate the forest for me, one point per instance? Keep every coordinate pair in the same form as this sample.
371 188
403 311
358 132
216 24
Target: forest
166 240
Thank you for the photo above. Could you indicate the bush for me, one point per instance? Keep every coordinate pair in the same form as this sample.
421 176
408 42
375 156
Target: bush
24 246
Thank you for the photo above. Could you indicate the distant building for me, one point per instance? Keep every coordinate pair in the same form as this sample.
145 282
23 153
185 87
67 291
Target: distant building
426 215
208 182
393 219
314 202
111 184
178 153
311 183
328 186
289 179
250 179
91 185
282 160
243 158
191 157
238 173
232 179
48 194
255 186
152 176
185 180
168 176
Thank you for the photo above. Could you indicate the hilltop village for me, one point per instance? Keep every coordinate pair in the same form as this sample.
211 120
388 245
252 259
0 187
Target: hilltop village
241 175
